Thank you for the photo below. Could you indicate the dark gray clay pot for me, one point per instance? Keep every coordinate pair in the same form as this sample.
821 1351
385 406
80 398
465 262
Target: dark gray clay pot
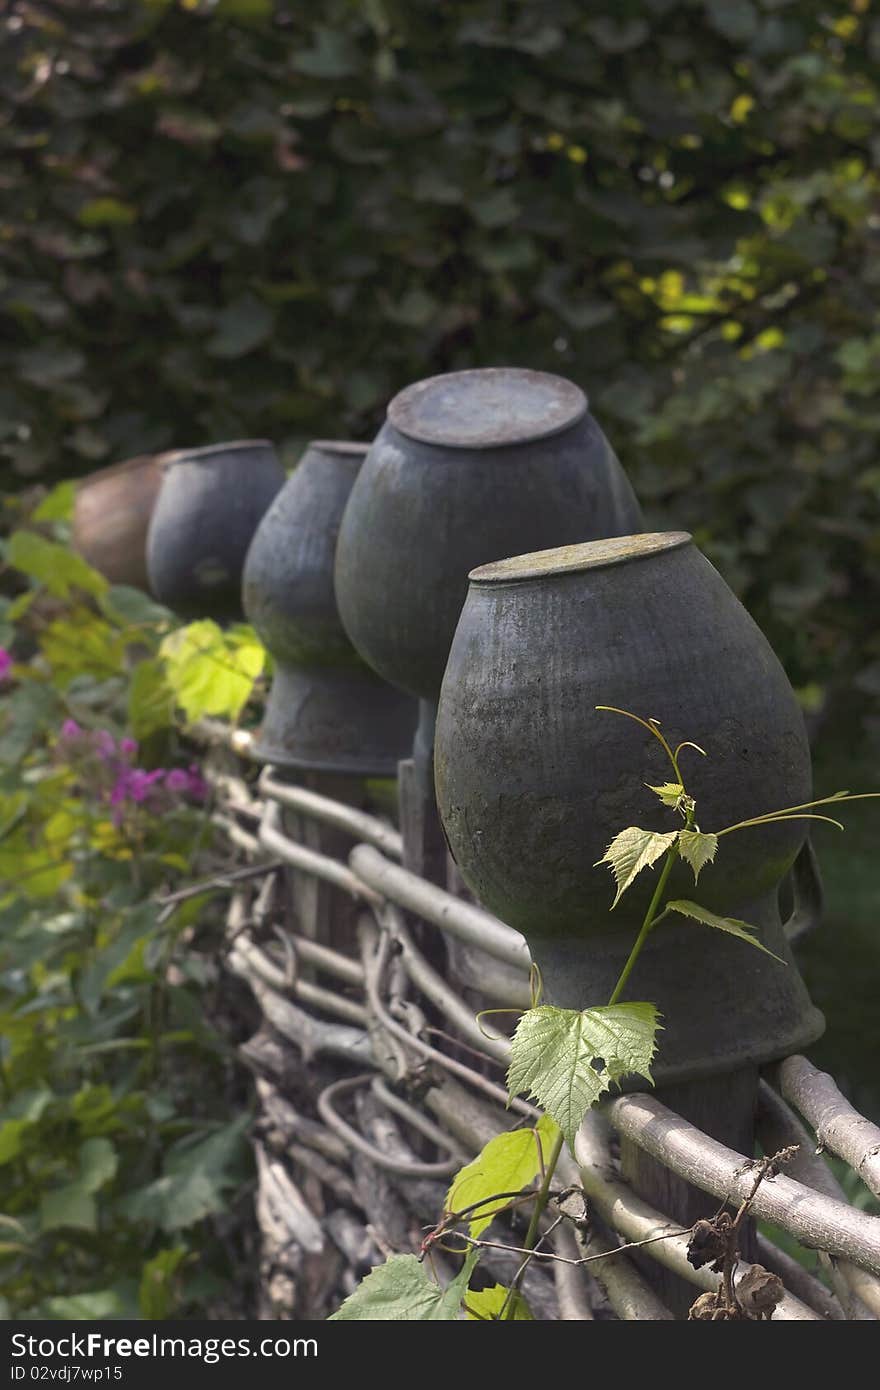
327 711
468 468
533 783
210 504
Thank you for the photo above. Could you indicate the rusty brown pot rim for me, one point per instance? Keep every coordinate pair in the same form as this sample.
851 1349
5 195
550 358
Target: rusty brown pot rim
346 447
573 559
473 410
114 469
204 453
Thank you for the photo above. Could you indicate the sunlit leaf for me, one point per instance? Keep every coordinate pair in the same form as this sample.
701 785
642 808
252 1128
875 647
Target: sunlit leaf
566 1060
508 1163
633 850
488 1303
697 849
731 925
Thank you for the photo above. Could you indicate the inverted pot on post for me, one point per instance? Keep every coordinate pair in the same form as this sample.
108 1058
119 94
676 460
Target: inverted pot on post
210 504
327 711
533 783
467 468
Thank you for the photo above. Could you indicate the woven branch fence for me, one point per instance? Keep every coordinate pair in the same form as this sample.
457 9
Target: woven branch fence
375 1083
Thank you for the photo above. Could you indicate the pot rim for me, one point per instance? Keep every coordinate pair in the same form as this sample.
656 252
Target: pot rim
443 425
203 454
573 559
337 446
114 469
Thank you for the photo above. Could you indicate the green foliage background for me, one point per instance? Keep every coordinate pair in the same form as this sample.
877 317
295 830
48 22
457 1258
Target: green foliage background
240 217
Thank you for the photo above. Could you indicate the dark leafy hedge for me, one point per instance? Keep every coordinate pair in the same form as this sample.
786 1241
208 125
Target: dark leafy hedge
238 217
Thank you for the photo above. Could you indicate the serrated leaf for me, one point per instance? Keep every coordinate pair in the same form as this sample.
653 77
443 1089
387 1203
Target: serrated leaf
487 1304
508 1163
731 925
668 792
553 1051
402 1290
697 849
633 850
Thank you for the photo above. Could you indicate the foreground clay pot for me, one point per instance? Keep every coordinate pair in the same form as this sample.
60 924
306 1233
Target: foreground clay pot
533 783
327 711
211 503
468 468
111 514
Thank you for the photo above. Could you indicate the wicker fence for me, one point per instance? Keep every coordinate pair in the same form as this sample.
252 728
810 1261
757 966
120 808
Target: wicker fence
375 1082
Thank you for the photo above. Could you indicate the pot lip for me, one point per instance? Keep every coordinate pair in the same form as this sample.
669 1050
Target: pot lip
519 406
573 559
112 470
347 447
204 453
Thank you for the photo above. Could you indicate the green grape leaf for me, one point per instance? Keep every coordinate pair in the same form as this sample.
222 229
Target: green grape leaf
211 671
566 1060
670 793
51 564
633 850
57 505
508 1163
731 925
402 1290
697 849
487 1304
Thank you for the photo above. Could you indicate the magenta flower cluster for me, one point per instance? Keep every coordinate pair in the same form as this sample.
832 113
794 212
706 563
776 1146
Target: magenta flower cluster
108 766
5 663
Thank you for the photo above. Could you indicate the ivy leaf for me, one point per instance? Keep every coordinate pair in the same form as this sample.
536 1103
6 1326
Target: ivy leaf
209 671
487 1304
74 1205
566 1060
669 793
697 849
731 925
633 850
402 1290
508 1163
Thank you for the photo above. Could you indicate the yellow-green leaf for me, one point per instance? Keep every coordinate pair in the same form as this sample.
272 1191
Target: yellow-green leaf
731 925
670 793
633 850
486 1305
697 849
209 671
508 1163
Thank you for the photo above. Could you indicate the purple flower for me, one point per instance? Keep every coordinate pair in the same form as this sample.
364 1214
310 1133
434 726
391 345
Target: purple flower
105 745
5 663
139 782
128 747
198 787
177 780
70 729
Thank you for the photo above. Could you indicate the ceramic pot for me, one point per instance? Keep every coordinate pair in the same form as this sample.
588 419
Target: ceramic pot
533 783
468 468
327 711
209 507
111 514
